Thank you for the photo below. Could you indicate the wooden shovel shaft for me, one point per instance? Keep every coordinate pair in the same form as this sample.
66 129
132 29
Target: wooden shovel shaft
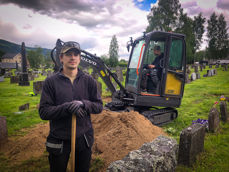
73 142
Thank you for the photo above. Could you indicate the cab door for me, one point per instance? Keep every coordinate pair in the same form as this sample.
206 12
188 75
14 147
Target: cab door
174 77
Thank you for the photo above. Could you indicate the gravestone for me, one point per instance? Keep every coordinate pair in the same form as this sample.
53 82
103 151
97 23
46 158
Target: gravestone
193 76
210 66
213 120
196 69
156 156
217 66
37 87
204 66
24 107
14 79
188 70
1 78
24 78
197 75
49 73
99 87
201 68
209 73
119 73
3 129
8 74
223 111
191 144
187 80
226 67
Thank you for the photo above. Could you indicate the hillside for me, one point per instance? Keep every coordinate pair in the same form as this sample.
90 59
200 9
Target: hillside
10 47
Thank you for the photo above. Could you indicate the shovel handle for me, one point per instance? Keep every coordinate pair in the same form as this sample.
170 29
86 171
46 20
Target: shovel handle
73 142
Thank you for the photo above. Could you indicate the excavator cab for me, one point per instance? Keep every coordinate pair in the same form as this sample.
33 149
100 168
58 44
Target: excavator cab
163 85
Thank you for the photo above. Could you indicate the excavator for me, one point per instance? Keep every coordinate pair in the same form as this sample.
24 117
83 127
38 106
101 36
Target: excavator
159 105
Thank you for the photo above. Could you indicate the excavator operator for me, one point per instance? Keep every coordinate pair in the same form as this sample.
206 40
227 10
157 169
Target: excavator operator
155 70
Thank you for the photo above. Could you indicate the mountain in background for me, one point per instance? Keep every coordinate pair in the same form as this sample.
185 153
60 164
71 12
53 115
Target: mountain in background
9 47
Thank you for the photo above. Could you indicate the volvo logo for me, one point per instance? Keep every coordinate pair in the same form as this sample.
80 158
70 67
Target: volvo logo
88 61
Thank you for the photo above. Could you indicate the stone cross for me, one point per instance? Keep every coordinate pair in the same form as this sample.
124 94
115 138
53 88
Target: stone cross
24 79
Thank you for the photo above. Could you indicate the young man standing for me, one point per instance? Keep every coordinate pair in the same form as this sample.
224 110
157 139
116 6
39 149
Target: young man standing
68 92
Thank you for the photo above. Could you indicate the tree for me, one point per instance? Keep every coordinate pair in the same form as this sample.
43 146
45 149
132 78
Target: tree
198 28
35 58
222 38
186 27
212 36
113 52
105 59
165 16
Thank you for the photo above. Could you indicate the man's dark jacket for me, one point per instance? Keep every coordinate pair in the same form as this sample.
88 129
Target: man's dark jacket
57 90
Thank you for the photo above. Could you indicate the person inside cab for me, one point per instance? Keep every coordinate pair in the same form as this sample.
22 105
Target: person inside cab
154 71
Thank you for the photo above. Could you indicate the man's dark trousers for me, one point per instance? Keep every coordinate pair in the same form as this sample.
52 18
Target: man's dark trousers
58 163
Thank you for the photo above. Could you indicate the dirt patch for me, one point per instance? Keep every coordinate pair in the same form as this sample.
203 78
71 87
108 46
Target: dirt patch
116 134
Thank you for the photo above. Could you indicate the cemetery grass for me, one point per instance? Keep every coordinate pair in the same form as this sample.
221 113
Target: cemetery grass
199 97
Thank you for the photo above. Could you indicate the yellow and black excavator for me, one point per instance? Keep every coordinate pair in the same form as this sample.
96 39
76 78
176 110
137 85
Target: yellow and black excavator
156 101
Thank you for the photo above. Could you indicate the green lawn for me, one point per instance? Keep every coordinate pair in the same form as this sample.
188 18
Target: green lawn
199 97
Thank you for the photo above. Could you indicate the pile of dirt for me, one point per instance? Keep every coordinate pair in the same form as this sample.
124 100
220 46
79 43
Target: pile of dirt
116 134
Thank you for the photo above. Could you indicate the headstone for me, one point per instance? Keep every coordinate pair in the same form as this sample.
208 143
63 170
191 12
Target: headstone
196 69
226 67
209 73
49 73
24 107
210 66
1 78
223 111
193 76
31 77
217 66
188 70
8 74
37 87
187 80
197 75
201 68
14 79
204 66
191 144
3 129
158 155
24 78
99 87
213 120
119 73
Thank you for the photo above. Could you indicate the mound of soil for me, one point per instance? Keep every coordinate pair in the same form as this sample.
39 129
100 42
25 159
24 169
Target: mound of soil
116 134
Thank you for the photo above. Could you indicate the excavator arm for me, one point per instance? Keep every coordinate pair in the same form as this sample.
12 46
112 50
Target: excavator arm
88 59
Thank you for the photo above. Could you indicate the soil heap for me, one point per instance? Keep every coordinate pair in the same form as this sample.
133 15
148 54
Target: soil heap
116 134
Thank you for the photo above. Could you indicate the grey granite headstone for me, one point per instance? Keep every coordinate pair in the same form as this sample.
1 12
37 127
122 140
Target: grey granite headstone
24 107
37 87
187 80
158 155
198 75
1 78
3 129
223 111
196 69
213 120
119 73
14 79
191 144
193 76
99 87
209 73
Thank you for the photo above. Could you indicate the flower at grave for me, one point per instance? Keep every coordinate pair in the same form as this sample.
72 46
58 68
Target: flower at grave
222 98
214 106
201 121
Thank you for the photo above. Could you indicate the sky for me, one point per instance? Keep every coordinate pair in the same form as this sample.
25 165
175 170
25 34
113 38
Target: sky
92 23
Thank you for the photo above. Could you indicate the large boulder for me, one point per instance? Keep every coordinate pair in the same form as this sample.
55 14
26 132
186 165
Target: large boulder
158 155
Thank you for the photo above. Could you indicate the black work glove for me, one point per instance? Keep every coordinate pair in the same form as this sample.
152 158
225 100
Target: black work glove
77 108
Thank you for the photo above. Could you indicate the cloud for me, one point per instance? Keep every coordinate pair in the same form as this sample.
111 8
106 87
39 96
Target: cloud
27 26
223 4
189 4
